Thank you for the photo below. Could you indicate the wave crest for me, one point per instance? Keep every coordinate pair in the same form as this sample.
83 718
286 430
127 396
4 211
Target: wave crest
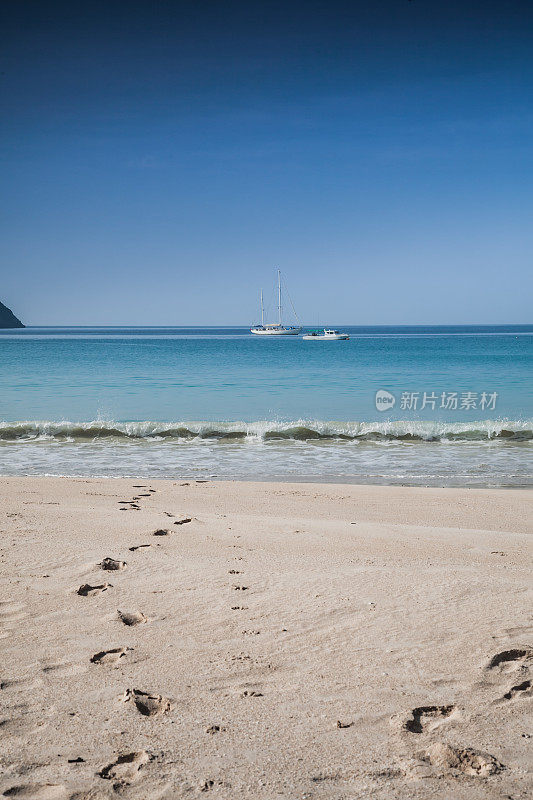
299 430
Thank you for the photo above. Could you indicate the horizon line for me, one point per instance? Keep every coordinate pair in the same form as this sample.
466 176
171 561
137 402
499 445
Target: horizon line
304 325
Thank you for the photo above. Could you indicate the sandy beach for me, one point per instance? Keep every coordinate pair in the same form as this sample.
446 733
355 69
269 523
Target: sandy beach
252 640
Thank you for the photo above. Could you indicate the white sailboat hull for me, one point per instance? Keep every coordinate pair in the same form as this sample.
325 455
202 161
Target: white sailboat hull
275 331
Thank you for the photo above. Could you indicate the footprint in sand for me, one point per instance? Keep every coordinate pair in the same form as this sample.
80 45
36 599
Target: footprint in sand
212 729
150 705
465 760
112 564
37 791
110 656
238 588
517 659
424 718
524 689
125 770
183 521
161 532
207 785
86 590
138 547
129 505
132 617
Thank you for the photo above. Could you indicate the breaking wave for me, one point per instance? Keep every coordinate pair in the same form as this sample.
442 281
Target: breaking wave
299 430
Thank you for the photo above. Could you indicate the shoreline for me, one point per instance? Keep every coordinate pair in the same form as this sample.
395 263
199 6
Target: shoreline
293 639
324 480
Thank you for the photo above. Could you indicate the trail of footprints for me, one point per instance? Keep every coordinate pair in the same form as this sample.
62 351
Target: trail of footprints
126 768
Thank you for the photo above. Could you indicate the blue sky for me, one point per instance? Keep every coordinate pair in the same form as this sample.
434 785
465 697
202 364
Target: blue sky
161 159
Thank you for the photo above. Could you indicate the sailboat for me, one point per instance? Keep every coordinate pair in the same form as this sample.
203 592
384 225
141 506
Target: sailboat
274 328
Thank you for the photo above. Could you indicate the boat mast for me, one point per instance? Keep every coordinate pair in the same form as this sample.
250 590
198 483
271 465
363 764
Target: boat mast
279 296
262 310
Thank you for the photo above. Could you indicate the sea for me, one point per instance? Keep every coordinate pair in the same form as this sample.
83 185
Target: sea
428 406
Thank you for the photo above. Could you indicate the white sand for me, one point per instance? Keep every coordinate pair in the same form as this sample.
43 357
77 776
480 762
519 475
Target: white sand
358 623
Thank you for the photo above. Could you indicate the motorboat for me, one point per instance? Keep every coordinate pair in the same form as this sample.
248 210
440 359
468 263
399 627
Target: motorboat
328 334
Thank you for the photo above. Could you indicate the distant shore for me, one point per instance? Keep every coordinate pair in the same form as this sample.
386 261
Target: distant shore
263 640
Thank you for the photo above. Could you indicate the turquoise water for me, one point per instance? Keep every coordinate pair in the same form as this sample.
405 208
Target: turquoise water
205 402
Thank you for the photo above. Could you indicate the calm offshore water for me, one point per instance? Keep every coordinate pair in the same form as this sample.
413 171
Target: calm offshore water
218 402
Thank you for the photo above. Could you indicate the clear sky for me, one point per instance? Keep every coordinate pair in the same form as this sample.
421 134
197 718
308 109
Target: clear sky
161 159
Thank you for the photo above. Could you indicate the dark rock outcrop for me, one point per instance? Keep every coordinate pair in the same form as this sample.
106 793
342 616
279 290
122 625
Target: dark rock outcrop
8 319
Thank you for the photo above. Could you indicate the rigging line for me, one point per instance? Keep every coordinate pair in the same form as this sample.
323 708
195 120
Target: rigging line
267 306
290 300
271 304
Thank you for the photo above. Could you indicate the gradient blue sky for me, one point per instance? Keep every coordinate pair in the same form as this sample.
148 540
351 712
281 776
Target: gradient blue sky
160 159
